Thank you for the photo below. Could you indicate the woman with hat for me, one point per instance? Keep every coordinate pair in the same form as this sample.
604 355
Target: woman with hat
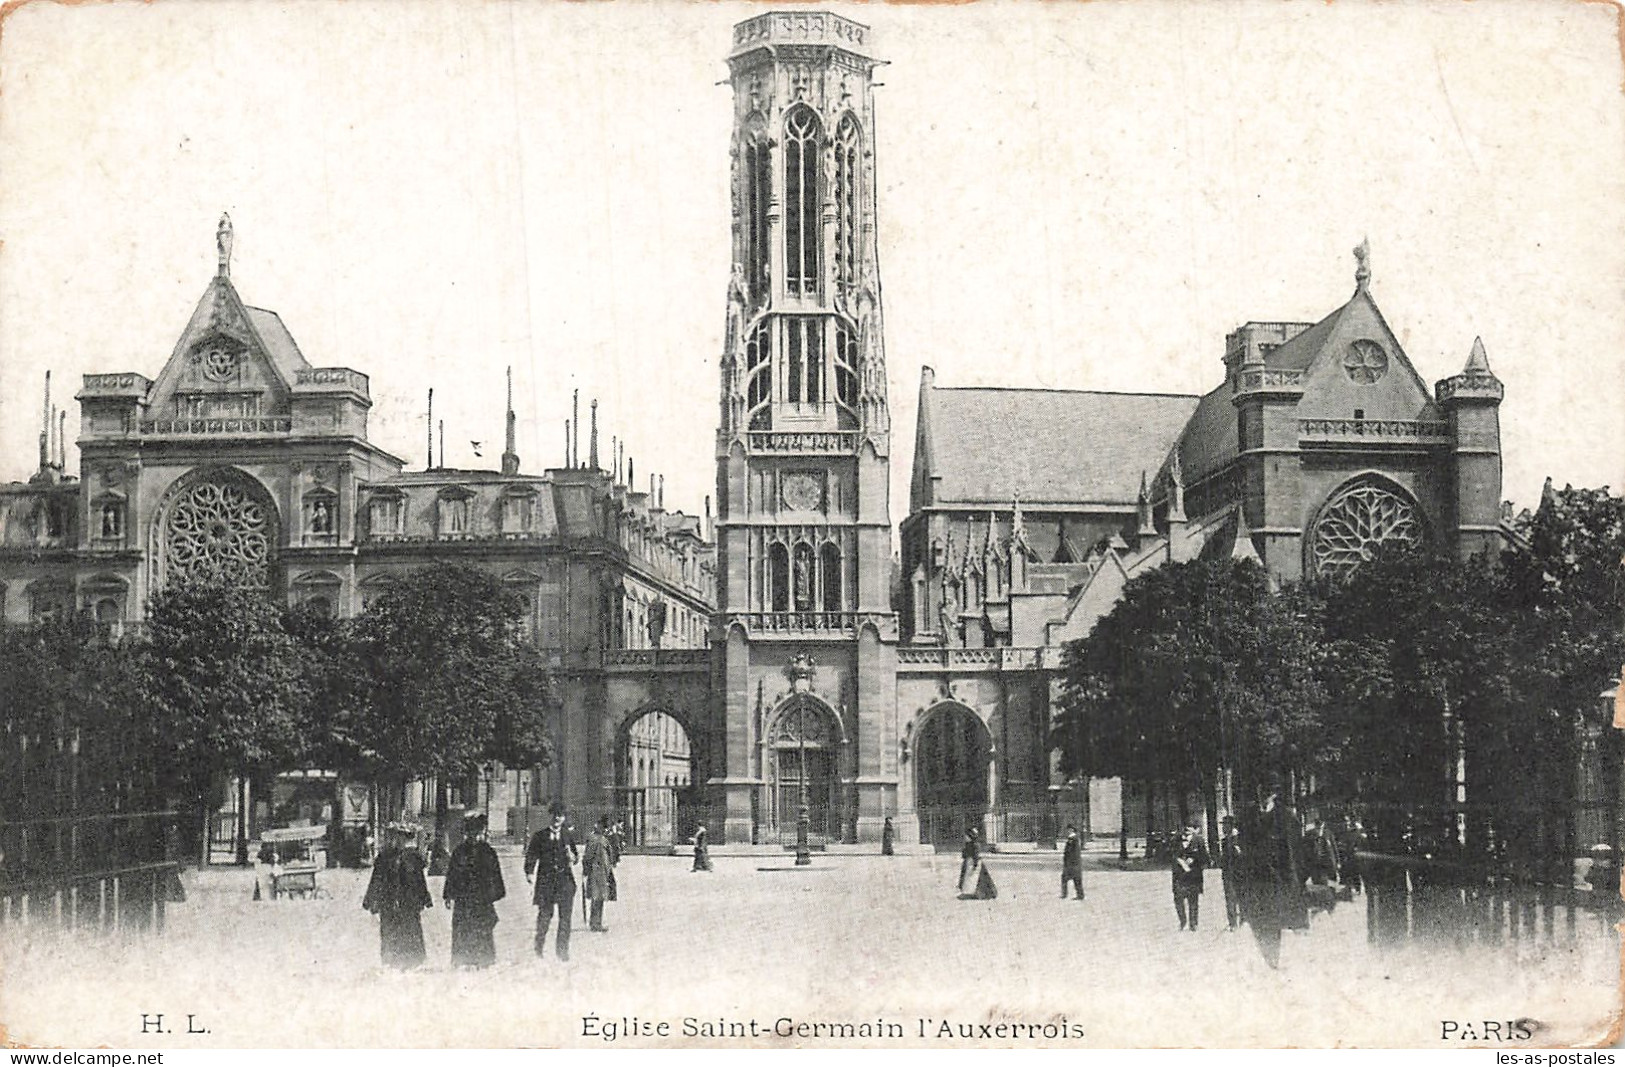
473 886
397 894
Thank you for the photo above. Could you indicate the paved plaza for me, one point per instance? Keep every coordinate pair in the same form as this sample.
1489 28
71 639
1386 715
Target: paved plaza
853 940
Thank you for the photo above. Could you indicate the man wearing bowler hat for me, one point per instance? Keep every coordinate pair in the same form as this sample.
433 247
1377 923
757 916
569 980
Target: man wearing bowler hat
550 856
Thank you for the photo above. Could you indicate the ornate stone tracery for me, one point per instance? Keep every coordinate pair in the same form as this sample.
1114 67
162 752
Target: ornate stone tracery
1355 522
217 529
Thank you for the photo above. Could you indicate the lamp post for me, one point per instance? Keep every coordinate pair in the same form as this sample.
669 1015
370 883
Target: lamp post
803 817
488 772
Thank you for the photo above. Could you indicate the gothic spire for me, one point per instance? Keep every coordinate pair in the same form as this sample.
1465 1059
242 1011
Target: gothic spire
1477 361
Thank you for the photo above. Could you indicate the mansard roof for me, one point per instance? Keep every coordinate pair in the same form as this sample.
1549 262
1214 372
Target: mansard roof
982 446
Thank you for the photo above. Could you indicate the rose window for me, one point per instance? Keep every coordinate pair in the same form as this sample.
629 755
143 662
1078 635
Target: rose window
218 362
218 531
1365 361
1355 522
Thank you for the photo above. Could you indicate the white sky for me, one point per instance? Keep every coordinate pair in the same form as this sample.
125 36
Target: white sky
1078 196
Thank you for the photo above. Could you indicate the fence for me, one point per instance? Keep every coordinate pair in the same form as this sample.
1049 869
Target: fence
110 871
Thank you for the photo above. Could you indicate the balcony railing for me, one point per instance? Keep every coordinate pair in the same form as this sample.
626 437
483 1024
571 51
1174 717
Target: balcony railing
657 657
1251 381
810 623
803 441
997 659
1378 430
221 427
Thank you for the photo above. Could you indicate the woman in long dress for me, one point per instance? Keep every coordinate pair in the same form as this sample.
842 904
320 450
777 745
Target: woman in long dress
975 883
397 894
473 886
702 851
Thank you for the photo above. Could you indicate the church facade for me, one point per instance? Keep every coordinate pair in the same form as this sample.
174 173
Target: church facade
778 658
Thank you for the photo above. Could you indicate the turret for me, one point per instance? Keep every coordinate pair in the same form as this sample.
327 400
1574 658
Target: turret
1471 403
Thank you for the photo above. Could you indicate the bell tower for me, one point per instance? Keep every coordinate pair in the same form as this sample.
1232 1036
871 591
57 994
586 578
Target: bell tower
804 436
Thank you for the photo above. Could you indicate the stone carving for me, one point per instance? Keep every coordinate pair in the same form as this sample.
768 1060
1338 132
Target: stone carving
217 530
1356 522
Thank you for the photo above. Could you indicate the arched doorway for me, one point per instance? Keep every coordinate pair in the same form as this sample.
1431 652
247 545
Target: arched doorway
801 763
655 775
953 754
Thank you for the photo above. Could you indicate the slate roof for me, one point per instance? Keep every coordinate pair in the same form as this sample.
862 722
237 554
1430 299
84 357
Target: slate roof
1048 445
279 343
1209 440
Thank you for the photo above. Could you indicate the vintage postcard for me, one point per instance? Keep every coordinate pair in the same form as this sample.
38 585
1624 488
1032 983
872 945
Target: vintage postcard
485 562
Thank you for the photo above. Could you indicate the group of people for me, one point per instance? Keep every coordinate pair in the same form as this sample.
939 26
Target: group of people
398 892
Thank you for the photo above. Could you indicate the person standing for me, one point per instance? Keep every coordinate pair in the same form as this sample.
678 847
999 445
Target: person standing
887 837
975 883
551 854
597 873
1072 863
702 851
473 886
397 893
1230 871
1189 866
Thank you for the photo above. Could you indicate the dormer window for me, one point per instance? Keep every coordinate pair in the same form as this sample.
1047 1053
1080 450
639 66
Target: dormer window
454 512
517 512
384 511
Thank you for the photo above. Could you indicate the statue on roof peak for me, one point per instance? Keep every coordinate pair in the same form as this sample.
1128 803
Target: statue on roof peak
222 242
1362 265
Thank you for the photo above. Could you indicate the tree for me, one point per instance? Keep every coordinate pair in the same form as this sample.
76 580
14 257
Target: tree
449 680
228 687
1199 666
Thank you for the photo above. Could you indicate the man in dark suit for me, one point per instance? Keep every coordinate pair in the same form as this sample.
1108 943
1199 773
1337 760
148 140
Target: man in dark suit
551 855
1072 863
1189 865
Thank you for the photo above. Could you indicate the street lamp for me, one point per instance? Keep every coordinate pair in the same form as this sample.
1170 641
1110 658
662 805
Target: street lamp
803 852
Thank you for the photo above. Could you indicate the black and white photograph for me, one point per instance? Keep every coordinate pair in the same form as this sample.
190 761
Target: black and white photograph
486 563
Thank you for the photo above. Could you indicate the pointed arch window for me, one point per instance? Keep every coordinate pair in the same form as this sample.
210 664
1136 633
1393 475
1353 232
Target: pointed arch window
758 183
804 360
846 364
759 369
847 149
802 138
834 581
778 577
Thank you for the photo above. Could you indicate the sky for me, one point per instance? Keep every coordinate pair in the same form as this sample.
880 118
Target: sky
1081 196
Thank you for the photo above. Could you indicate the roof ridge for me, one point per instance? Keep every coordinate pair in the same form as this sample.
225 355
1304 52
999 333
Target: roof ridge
1067 392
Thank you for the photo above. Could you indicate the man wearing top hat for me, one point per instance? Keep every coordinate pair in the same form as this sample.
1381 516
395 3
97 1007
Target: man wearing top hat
550 856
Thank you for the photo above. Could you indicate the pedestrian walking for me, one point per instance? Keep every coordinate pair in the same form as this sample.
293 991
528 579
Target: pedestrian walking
597 873
397 893
617 846
1072 863
1189 865
1273 899
551 856
1231 871
702 851
887 837
473 886
975 883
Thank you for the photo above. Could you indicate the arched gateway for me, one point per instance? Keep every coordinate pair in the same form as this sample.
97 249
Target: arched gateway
659 778
952 765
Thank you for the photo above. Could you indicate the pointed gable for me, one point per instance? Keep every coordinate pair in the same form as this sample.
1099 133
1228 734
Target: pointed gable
230 360
1352 362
